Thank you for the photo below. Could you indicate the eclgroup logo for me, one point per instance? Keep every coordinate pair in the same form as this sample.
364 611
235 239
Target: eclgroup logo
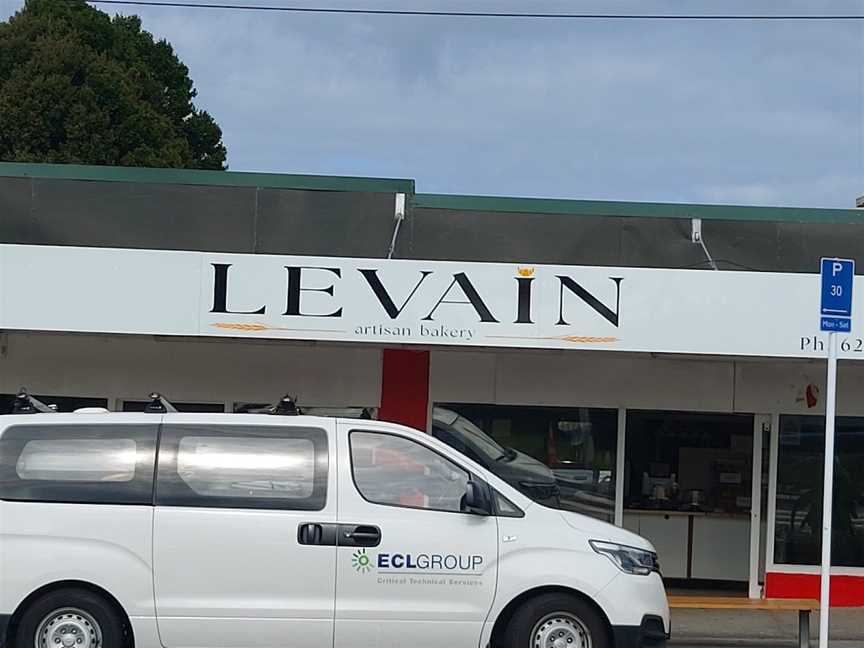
433 563
361 561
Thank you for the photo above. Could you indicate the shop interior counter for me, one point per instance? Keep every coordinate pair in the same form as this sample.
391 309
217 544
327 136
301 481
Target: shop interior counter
687 542
687 489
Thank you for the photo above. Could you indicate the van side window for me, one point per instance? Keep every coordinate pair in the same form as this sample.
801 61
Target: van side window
88 464
242 467
505 508
396 471
80 460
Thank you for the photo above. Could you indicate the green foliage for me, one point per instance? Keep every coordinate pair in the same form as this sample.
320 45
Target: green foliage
77 86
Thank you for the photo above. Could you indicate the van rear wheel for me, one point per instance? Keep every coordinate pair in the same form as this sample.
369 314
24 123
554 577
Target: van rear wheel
70 618
556 621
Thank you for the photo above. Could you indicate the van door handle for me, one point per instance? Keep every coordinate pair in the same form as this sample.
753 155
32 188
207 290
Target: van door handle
317 534
352 535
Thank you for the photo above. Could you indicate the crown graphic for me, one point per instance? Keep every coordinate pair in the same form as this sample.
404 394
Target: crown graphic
525 271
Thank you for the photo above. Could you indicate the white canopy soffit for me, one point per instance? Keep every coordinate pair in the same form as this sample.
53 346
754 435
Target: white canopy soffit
156 292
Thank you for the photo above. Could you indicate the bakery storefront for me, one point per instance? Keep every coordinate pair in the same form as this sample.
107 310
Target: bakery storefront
685 405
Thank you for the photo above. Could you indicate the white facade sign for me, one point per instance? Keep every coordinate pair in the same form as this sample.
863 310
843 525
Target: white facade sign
158 292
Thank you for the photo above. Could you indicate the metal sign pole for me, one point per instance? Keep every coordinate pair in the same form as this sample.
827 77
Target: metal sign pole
835 314
828 492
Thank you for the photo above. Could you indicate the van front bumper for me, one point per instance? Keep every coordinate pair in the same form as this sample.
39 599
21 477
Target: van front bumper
649 634
4 628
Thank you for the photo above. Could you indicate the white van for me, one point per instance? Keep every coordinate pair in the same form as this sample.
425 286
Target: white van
258 531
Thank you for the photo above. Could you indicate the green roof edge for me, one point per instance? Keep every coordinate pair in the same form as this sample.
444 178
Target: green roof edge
205 178
586 208
603 208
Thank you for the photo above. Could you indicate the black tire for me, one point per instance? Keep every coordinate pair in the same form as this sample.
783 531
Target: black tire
110 623
523 622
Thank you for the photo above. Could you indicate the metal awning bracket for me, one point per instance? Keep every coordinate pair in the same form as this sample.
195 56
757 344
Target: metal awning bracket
399 216
696 237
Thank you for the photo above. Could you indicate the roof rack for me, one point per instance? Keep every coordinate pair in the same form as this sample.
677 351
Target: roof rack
339 412
285 407
159 405
288 406
25 404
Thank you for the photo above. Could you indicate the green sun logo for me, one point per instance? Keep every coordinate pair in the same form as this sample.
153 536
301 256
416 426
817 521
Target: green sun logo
361 561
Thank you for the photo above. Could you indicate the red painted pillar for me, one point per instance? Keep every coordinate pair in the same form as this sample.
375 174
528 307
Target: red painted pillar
405 387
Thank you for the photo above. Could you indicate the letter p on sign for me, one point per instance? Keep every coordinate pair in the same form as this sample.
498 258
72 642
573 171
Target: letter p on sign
835 310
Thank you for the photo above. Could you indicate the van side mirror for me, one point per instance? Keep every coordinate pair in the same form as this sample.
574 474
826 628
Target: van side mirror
475 500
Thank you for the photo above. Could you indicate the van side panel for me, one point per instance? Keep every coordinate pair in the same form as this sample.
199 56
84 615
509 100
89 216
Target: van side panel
536 557
107 545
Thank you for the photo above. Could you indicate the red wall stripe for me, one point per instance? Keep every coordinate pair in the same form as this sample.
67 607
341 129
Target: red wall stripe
405 387
846 591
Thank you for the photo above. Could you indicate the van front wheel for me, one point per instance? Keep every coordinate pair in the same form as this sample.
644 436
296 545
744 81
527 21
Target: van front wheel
70 618
556 621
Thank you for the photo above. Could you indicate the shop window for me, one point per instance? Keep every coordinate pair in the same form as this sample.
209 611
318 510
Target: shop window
562 457
798 525
688 461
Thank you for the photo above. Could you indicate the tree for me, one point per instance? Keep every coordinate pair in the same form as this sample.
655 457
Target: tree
77 86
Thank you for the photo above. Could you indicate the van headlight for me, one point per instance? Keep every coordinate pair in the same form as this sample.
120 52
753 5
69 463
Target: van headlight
630 560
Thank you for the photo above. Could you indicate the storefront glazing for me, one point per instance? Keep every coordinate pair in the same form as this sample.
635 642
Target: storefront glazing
564 456
798 518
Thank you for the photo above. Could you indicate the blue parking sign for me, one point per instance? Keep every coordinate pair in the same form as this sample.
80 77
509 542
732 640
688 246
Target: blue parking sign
836 305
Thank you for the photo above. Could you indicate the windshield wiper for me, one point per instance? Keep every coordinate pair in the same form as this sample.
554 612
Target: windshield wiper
509 454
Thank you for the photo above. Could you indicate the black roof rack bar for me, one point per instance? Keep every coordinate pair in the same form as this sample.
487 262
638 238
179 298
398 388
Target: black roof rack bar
285 407
26 404
159 405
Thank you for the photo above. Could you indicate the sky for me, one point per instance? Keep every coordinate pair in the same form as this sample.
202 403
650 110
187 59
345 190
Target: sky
759 113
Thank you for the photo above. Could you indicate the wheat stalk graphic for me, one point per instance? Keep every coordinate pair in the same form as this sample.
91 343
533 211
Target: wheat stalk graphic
256 328
242 327
579 339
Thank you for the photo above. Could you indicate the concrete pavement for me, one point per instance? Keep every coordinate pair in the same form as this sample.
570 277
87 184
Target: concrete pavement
762 629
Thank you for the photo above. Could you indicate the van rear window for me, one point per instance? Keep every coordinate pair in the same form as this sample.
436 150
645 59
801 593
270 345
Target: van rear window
78 463
80 460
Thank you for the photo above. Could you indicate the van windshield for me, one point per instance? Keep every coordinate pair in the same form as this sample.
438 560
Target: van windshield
472 435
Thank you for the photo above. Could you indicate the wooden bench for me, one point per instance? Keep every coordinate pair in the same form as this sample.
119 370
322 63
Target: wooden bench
803 606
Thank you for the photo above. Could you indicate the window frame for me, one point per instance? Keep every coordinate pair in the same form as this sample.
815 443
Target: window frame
136 492
772 519
472 476
172 490
496 506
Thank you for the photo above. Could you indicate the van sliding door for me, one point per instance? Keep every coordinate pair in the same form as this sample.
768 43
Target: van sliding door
238 558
